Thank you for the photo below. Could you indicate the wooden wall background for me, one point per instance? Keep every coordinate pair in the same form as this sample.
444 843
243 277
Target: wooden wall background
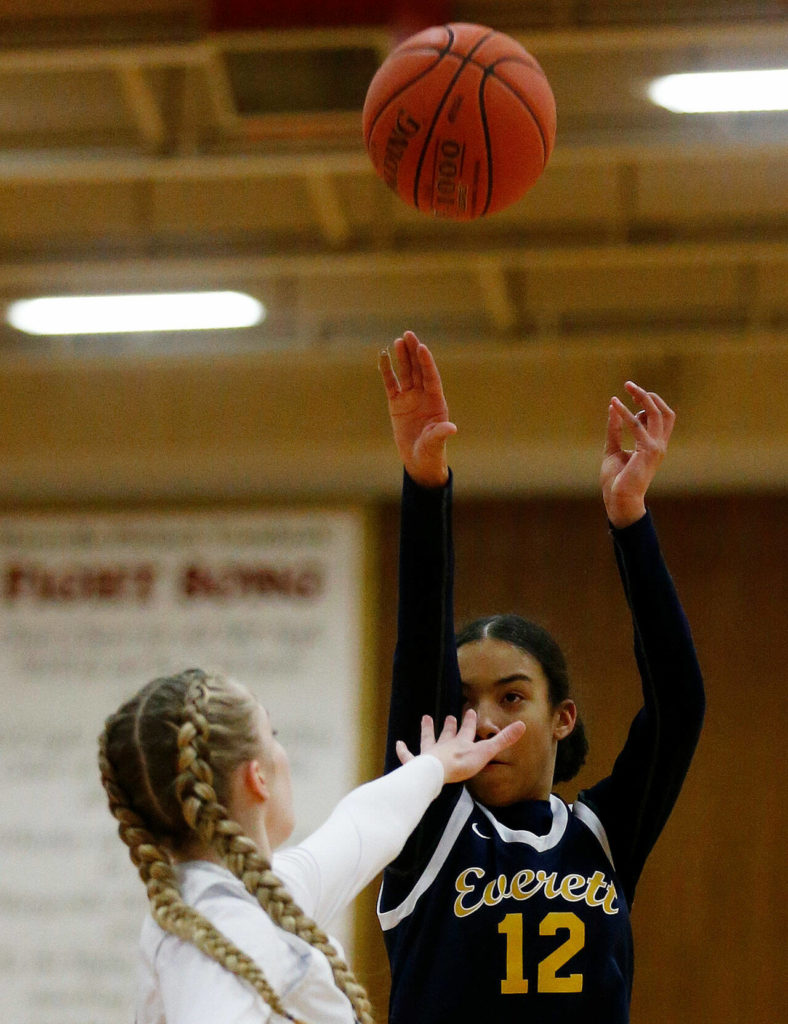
710 913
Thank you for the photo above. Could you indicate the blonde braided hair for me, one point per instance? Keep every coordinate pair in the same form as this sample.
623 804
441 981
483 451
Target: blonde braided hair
165 786
208 818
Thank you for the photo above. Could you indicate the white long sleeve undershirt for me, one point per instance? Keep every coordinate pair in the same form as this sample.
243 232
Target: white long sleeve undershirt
180 985
365 832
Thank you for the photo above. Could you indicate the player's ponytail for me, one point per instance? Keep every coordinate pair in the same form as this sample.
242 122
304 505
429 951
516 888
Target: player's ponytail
535 640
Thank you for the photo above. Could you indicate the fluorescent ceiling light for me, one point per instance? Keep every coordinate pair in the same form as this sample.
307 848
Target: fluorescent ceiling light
722 91
127 314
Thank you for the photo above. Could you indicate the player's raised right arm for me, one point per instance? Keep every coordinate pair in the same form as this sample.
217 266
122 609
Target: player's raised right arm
418 411
425 676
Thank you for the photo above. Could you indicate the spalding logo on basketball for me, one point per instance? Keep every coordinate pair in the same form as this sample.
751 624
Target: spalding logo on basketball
459 121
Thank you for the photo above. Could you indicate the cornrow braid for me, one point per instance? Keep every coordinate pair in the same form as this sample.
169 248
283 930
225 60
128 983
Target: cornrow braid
209 819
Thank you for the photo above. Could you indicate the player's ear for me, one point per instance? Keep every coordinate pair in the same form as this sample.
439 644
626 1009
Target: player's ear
254 780
564 718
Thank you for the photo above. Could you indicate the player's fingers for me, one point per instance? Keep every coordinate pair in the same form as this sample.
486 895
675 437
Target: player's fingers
505 738
449 728
626 416
643 398
668 415
652 420
390 381
468 725
430 375
405 363
615 429
661 403
413 345
428 732
438 433
402 752
653 424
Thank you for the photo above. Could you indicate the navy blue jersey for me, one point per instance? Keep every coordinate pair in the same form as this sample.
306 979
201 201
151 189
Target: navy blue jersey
522 912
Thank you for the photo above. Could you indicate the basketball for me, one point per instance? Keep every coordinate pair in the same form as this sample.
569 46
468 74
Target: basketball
459 121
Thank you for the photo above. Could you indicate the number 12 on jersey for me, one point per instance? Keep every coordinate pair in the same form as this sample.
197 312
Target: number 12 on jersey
547 979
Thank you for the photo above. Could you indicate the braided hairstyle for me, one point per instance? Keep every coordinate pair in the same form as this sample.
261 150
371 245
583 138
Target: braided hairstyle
166 757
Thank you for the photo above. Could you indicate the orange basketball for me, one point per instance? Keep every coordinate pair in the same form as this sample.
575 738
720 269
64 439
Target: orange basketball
459 121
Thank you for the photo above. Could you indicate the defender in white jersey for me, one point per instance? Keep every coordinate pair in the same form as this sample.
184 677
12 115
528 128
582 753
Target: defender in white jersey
201 791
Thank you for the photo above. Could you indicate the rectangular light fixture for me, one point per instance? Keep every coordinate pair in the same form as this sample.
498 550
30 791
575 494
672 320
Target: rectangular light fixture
127 314
722 91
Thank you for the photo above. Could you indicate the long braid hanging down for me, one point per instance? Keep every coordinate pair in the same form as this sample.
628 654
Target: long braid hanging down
167 906
208 818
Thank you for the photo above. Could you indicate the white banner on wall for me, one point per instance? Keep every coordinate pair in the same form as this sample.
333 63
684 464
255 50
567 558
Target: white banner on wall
91 608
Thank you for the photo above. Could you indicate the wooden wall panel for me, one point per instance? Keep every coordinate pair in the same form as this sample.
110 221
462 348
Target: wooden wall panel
95 423
709 916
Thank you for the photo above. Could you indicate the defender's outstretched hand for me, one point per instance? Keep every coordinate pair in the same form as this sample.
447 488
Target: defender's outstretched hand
418 410
625 475
460 753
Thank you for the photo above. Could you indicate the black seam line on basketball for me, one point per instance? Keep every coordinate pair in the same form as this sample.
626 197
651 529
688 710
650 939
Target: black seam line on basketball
532 115
487 146
490 73
440 54
515 58
489 70
441 105
394 95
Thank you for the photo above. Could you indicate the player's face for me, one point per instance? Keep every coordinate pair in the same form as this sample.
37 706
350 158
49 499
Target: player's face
279 814
504 684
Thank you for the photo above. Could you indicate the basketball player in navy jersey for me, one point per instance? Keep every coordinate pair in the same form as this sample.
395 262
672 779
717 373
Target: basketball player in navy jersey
507 904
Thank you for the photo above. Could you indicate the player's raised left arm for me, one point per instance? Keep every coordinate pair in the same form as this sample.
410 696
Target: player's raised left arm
635 801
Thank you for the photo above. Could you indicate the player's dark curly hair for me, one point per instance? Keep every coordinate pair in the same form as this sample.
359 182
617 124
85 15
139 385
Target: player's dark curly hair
535 640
